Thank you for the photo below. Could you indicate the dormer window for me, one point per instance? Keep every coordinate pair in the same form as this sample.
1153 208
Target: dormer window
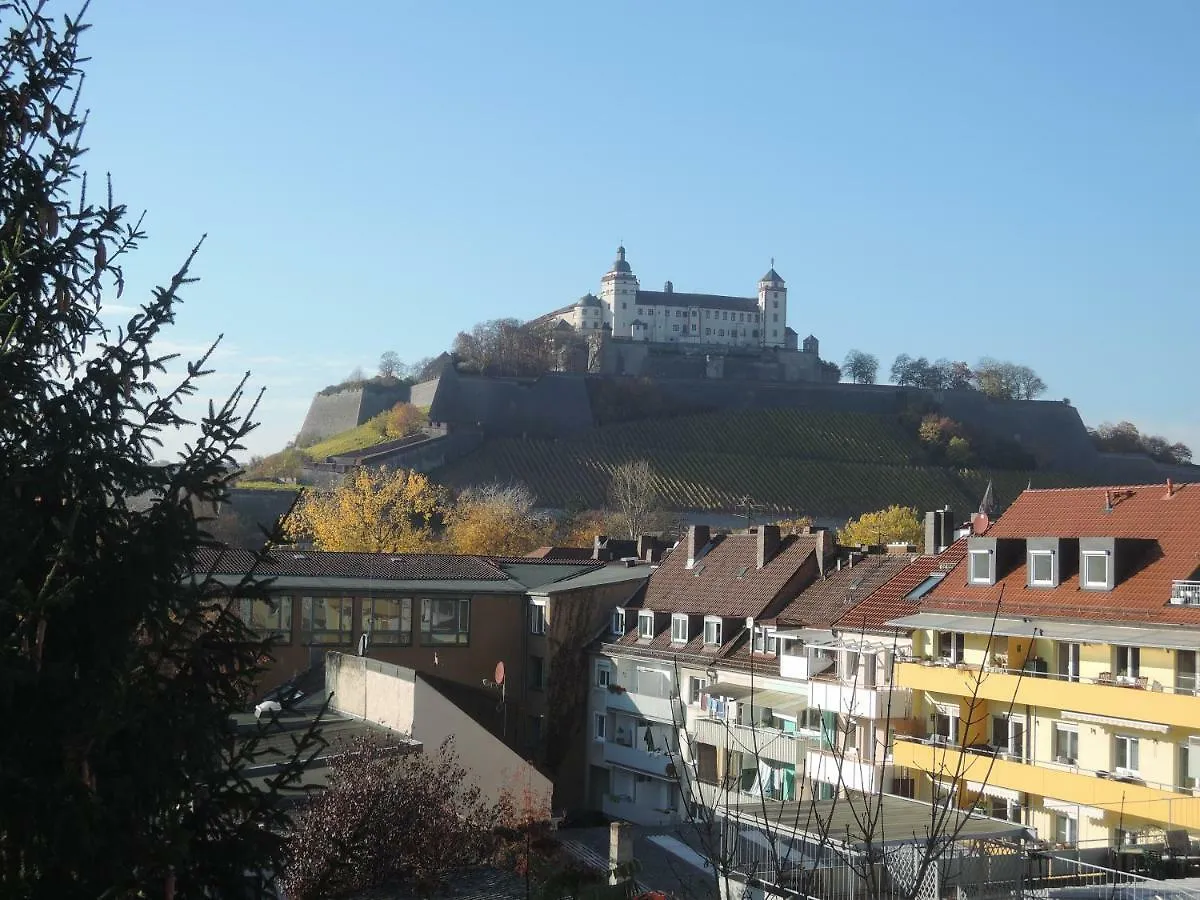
765 640
1095 570
712 630
645 624
1041 568
982 567
618 621
679 629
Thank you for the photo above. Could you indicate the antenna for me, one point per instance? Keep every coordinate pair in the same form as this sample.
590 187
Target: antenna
751 508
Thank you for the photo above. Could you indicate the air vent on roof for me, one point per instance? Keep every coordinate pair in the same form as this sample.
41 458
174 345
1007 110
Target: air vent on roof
299 556
698 569
742 571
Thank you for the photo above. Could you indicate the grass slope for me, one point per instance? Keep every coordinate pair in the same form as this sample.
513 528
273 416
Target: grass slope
788 461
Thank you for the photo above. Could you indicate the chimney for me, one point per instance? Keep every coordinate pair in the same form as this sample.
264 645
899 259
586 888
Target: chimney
697 538
620 852
768 543
600 548
939 530
1170 489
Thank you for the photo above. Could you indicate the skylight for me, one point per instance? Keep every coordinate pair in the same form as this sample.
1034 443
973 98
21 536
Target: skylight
925 586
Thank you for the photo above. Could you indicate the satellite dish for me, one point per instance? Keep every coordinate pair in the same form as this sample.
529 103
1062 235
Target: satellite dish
500 672
981 523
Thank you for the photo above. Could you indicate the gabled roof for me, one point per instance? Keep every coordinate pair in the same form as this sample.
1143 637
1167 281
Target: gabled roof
888 601
1168 524
327 564
725 581
823 602
704 301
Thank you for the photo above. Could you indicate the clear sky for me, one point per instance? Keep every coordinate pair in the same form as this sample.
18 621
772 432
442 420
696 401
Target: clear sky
1017 180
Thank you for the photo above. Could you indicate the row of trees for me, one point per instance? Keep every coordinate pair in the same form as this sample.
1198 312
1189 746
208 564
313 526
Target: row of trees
505 347
995 378
1124 437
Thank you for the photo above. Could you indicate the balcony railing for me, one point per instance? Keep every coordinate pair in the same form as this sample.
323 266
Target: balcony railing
859 700
1185 593
636 758
770 743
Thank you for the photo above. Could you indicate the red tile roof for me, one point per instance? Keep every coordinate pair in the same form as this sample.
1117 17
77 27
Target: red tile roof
726 581
1139 511
888 601
327 564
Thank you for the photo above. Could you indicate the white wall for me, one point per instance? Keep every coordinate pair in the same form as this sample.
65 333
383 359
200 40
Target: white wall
400 699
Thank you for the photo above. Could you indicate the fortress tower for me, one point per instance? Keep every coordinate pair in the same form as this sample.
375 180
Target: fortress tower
772 307
618 293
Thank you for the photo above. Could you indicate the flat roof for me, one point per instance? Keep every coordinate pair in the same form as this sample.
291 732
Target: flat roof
609 574
1055 629
899 820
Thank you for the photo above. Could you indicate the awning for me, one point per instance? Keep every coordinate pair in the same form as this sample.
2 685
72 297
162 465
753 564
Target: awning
1072 810
1113 721
1074 632
728 691
762 698
990 790
808 635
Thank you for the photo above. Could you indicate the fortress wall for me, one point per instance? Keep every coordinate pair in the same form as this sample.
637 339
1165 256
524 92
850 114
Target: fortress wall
330 414
421 395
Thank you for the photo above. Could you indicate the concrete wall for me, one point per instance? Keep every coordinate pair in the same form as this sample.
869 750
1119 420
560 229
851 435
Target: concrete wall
331 414
401 699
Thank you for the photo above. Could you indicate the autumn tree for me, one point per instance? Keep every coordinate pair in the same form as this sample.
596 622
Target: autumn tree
1008 381
884 526
121 660
635 504
860 367
497 520
505 347
371 511
797 525
389 816
402 420
1124 437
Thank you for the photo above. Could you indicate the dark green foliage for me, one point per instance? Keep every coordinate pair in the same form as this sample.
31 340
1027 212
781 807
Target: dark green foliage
119 669
1124 437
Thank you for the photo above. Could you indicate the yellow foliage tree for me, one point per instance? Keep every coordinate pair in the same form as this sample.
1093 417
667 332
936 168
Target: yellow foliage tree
497 521
896 523
371 511
402 420
794 526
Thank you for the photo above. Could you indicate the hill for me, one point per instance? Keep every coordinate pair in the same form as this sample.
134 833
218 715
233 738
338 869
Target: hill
825 463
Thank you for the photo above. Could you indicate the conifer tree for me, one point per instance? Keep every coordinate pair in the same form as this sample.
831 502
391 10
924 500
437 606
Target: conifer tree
120 666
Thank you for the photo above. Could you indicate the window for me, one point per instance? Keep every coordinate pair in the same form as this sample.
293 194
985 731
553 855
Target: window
725 315
1006 810
951 645
775 303
720 332
695 688
675 327
945 728
618 621
1189 765
774 332
1008 735
708 331
1065 830
646 625
326 620
537 616
537 673
1068 661
1066 744
754 333
269 618
1095 569
679 629
1041 568
981 566
599 724
774 317
1128 661
1185 671
445 621
712 631
1125 752
388 621
603 675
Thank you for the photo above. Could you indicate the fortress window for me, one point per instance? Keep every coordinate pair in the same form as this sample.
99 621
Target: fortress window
721 332
775 303
623 304
725 315
774 333
675 327
708 331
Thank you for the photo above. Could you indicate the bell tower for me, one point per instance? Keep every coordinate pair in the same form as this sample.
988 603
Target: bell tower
772 308
618 294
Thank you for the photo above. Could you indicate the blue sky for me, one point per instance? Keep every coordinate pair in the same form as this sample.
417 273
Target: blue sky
1017 180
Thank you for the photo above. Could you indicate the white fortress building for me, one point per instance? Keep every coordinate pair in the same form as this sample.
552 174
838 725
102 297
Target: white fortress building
625 310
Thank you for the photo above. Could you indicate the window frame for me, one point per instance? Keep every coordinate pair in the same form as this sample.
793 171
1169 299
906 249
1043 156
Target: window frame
537 621
1132 752
958 646
600 727
1133 661
462 634
1050 580
1063 728
1070 832
604 673
274 630
308 635
644 617
972 556
696 688
617 622
1084 581
676 620
403 636
718 624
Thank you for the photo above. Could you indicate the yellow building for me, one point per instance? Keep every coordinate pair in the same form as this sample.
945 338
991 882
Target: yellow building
1054 669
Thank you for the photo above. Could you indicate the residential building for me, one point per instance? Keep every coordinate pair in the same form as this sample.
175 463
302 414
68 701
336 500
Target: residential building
493 627
1054 667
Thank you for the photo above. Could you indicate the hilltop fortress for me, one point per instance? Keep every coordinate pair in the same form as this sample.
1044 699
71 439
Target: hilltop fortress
672 334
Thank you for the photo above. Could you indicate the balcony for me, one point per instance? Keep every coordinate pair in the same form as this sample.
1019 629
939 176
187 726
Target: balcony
770 743
634 758
1128 798
648 706
856 774
885 702
1179 709
1185 593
